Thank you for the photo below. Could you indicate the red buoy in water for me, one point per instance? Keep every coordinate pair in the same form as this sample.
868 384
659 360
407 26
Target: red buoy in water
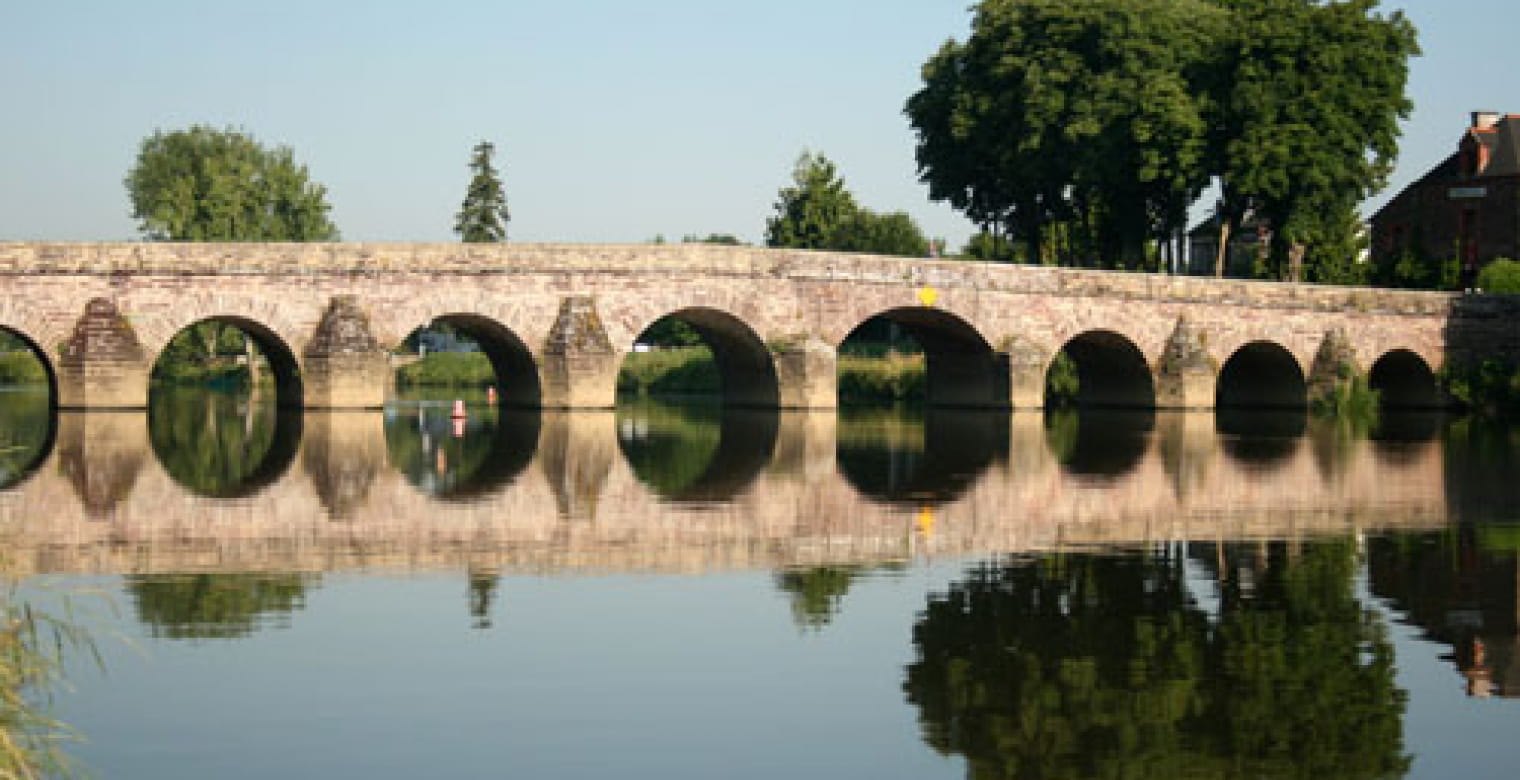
458 409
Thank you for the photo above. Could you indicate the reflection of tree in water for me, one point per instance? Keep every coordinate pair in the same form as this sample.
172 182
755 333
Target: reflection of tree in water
26 432
216 606
1084 665
923 456
1482 459
818 592
1461 586
221 443
696 452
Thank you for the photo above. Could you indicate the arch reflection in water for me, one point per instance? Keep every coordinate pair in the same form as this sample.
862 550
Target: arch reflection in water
1107 665
459 458
27 399
696 452
28 429
919 456
221 443
1262 439
1099 442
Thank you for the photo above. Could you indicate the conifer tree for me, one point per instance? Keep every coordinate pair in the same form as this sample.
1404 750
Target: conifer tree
483 215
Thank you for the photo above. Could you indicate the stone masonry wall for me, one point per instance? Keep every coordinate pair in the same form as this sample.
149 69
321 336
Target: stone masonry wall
786 297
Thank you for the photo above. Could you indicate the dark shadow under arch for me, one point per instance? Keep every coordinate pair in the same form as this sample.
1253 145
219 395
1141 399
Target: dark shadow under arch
961 369
746 371
1111 371
517 376
900 457
1261 439
28 418
1261 375
1403 380
1102 443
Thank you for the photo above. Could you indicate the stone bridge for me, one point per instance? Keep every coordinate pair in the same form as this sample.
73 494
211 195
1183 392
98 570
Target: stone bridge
557 320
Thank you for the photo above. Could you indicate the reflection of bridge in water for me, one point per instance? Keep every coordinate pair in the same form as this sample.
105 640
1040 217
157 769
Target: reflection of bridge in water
809 494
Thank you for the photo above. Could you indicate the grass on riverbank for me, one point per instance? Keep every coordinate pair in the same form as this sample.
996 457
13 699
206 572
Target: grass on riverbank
448 369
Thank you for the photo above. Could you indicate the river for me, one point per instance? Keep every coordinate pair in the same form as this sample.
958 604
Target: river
682 591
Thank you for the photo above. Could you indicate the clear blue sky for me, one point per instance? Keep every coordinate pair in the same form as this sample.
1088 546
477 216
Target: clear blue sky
614 121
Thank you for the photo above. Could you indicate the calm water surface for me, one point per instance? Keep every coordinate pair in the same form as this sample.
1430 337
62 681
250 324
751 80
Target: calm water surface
691 592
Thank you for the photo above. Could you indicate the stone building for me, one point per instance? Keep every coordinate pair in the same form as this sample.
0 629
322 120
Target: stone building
1466 207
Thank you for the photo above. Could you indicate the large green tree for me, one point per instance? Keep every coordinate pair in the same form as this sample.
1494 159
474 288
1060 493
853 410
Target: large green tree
205 184
1084 129
483 215
1305 105
818 212
1075 126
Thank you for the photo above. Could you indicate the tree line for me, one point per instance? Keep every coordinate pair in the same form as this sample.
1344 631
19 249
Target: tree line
1072 132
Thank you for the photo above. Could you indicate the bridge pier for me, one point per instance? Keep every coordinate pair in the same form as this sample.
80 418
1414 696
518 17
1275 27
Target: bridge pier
344 366
578 365
807 373
1185 376
1024 363
103 365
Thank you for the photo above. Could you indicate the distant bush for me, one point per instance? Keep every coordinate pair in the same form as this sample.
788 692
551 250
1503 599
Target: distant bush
890 378
21 367
674 370
1500 276
448 369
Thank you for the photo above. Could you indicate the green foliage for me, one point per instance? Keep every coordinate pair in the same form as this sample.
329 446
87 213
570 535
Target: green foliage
1103 666
811 212
891 378
1083 119
721 239
448 369
671 332
816 592
986 245
676 445
34 645
817 212
208 353
1502 276
25 429
677 370
1305 102
1489 388
21 367
1085 130
483 215
215 606
211 441
1062 382
1350 398
204 184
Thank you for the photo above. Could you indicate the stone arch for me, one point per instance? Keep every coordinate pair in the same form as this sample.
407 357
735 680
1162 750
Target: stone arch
746 369
40 353
1111 370
28 421
289 386
1261 374
517 370
961 367
1404 381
